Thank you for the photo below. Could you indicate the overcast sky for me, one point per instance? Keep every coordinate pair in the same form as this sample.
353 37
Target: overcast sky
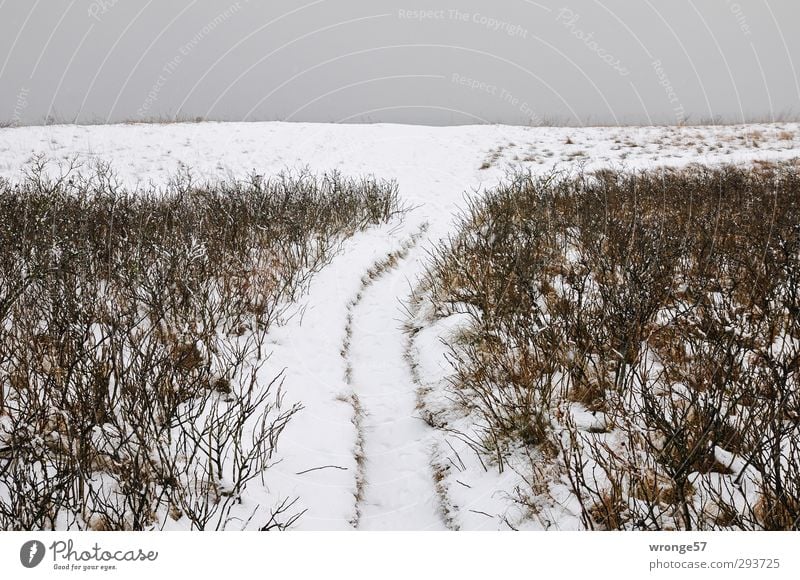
423 61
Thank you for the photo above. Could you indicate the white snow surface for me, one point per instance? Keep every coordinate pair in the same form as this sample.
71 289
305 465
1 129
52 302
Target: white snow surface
437 170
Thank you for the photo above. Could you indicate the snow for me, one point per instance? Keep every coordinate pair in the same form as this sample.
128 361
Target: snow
437 170
399 494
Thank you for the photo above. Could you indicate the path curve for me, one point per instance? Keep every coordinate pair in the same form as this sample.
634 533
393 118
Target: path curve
396 484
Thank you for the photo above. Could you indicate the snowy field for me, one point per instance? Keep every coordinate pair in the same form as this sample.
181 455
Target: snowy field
359 454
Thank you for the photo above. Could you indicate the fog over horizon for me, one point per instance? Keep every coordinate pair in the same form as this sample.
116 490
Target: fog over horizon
522 62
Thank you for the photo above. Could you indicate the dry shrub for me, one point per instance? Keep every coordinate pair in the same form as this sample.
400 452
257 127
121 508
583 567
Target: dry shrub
132 333
777 513
667 300
610 511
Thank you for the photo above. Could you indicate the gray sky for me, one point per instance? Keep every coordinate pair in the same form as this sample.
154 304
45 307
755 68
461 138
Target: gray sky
420 61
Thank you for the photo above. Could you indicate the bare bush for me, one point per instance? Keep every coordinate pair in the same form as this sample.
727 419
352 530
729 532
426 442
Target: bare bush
132 329
662 303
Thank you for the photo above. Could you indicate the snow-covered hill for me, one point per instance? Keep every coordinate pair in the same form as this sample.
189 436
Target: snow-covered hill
359 454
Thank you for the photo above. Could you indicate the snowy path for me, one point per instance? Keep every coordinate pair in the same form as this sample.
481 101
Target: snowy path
376 463
398 492
317 461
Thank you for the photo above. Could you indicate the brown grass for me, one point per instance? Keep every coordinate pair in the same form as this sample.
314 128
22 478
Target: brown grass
666 300
132 329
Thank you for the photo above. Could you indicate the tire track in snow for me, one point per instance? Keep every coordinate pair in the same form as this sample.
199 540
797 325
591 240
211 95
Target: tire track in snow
395 488
448 511
377 270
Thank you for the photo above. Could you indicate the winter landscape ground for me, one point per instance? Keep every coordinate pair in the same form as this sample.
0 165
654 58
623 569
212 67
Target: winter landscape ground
354 383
